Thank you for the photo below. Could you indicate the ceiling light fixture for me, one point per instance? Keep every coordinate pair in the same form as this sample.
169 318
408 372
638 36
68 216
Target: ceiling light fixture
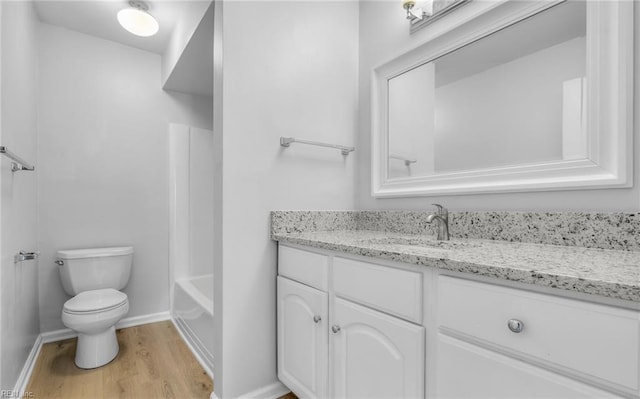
137 20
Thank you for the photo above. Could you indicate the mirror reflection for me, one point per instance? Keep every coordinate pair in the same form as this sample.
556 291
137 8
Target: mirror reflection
514 97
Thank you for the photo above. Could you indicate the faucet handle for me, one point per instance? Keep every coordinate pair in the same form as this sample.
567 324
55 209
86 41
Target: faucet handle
441 209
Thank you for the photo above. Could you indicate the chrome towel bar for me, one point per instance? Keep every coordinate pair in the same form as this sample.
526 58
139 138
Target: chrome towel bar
18 163
407 161
286 141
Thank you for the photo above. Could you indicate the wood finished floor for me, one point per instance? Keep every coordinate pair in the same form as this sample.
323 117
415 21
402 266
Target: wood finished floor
153 362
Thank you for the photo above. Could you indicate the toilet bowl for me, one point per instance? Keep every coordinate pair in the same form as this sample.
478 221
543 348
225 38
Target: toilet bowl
95 276
93 315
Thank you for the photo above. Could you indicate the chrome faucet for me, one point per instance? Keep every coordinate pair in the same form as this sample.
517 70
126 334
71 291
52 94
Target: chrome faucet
442 216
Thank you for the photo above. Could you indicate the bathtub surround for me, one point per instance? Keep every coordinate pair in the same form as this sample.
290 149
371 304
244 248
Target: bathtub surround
616 231
192 312
191 227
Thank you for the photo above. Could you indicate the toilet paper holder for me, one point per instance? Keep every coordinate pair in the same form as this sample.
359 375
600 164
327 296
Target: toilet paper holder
25 255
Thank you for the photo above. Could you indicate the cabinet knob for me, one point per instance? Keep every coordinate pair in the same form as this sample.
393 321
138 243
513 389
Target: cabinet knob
335 329
317 319
515 325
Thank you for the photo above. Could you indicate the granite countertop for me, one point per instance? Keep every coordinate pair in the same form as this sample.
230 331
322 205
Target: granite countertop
605 272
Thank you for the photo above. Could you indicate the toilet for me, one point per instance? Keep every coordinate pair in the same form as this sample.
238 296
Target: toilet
94 277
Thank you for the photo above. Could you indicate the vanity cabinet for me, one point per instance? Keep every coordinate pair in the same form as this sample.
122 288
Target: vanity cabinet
350 328
342 343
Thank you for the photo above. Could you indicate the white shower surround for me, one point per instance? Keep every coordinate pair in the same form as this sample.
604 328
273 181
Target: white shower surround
193 314
191 238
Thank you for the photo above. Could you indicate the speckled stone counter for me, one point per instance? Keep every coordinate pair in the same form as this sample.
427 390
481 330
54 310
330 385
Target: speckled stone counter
578 229
604 272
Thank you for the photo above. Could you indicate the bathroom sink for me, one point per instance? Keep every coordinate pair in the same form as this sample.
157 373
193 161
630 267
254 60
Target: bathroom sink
419 242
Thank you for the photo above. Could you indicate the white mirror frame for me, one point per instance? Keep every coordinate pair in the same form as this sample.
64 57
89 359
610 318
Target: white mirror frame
609 106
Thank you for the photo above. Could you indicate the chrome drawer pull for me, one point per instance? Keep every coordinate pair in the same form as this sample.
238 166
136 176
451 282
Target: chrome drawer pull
317 319
515 325
335 329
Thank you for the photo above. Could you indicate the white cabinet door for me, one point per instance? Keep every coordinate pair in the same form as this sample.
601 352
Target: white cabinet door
375 355
302 338
467 371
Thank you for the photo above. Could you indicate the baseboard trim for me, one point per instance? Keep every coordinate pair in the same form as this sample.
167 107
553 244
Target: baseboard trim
66 333
196 353
29 364
271 391
57 335
144 319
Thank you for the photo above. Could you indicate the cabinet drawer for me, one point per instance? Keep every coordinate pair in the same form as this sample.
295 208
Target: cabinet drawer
593 340
395 291
488 374
303 266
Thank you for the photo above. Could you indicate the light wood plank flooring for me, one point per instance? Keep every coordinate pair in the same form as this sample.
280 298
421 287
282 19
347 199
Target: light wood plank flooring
153 362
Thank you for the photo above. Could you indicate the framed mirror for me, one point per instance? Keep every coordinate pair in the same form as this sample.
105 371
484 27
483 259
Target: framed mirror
525 96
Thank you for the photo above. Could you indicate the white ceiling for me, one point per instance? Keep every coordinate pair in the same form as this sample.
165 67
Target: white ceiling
98 18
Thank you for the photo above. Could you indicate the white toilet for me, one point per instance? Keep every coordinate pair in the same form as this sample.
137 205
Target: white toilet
95 277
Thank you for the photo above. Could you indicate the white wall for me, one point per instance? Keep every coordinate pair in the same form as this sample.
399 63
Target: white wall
103 157
290 69
19 288
384 34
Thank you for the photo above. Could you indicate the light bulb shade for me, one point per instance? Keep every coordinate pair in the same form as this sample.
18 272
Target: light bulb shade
138 22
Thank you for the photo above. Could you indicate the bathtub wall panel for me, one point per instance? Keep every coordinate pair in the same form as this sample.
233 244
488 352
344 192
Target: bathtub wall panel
201 202
195 318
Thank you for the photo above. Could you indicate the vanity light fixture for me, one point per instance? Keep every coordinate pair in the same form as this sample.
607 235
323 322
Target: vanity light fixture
429 11
417 14
137 20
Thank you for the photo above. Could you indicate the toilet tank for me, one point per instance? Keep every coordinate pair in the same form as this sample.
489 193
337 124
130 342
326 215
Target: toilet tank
94 268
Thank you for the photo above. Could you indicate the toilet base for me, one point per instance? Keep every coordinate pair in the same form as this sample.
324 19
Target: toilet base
95 350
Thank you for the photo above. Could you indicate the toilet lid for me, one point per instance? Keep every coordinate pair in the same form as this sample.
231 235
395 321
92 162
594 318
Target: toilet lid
95 301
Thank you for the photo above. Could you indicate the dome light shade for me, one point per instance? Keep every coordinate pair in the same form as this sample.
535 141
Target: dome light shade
137 21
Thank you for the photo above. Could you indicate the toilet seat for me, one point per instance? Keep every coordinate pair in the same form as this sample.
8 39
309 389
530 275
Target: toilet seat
95 301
